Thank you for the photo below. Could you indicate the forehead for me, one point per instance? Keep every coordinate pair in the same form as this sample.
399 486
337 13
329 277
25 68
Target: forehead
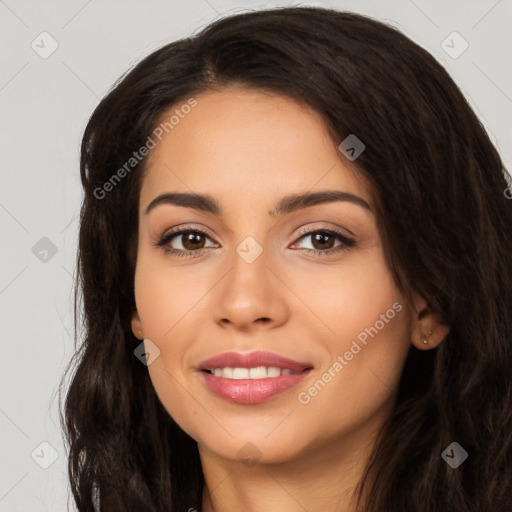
247 143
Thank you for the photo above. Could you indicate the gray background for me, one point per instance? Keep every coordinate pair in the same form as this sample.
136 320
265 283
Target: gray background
45 104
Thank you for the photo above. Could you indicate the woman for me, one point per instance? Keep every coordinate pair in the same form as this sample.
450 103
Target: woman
296 280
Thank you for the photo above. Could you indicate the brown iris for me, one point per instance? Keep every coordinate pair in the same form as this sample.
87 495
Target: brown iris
322 239
190 240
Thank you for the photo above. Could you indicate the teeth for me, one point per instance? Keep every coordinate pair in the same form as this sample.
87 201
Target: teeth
260 372
240 373
273 371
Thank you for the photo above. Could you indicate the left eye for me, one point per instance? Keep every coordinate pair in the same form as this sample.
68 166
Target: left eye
323 240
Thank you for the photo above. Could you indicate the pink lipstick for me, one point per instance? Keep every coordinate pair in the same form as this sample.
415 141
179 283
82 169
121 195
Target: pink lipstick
251 378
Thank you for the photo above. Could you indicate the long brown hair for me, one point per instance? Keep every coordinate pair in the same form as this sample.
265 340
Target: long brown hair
438 184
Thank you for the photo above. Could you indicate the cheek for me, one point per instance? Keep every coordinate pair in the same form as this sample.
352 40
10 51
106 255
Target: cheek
166 294
359 382
169 306
348 298
368 343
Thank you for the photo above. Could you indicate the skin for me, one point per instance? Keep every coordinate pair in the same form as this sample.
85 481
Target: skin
248 149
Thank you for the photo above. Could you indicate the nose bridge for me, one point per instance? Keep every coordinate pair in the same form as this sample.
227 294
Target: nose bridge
249 269
250 291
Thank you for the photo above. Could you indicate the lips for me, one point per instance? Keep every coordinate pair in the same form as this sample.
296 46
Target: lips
240 390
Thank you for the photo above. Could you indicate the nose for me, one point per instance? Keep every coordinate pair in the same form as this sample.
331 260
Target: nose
251 296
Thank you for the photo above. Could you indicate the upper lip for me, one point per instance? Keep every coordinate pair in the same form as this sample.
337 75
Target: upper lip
252 360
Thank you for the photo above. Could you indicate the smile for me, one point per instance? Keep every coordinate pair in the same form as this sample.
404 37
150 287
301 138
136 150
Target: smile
251 378
259 372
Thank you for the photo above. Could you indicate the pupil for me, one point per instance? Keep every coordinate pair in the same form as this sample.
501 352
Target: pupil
192 238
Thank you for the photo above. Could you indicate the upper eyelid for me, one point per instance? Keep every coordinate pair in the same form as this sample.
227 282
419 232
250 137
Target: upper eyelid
337 231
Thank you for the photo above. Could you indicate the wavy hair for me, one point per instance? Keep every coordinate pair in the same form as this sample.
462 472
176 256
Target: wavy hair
438 185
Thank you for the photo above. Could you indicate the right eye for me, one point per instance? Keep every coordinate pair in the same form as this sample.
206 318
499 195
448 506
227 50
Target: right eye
191 240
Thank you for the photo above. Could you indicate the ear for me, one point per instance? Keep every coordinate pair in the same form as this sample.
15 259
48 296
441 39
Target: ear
427 331
137 326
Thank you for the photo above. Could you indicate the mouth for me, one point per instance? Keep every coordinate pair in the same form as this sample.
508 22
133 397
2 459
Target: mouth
255 373
252 365
253 377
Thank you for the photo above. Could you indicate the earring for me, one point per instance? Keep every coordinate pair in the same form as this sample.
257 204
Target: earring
425 338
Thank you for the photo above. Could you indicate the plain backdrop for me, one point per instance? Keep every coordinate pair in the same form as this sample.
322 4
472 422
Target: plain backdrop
46 99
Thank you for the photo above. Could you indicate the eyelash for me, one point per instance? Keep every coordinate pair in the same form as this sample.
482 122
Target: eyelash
346 243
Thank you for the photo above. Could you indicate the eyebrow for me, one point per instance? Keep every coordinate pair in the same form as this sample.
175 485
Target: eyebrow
288 204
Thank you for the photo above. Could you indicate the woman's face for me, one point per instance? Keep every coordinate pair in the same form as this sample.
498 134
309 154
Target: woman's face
245 277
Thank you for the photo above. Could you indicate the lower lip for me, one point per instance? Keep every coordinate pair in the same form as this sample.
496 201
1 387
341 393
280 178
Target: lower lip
251 391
